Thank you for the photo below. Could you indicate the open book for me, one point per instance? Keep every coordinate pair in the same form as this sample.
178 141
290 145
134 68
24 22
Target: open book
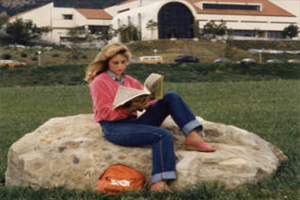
153 89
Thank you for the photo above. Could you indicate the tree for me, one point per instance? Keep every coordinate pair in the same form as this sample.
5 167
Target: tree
3 19
258 33
129 33
76 36
13 4
196 29
211 29
23 32
291 31
105 34
152 26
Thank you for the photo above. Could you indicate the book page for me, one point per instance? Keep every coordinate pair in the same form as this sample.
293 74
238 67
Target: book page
152 90
151 82
126 94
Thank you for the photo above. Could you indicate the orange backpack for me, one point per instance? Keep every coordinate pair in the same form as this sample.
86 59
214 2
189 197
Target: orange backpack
118 178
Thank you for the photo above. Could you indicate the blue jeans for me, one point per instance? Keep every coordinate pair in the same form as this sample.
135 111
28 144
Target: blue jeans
145 130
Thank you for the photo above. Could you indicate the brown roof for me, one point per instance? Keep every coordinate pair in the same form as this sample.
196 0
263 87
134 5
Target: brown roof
88 13
268 8
94 13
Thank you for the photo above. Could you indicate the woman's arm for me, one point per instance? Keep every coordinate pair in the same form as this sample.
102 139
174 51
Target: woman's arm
103 97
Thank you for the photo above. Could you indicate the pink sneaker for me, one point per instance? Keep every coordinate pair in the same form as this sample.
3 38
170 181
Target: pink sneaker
198 146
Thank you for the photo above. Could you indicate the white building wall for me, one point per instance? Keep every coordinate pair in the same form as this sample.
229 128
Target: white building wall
59 21
40 16
114 10
249 22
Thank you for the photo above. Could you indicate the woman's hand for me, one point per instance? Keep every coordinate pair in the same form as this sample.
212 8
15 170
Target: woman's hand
139 104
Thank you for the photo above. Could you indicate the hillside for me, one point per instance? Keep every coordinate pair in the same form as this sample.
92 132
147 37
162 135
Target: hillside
206 51
59 3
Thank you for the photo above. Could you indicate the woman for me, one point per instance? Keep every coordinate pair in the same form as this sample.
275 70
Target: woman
122 126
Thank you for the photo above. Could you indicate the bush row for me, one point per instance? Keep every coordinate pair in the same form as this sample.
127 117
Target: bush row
201 72
258 44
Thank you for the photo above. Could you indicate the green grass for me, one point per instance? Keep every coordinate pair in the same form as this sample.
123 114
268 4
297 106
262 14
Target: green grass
270 109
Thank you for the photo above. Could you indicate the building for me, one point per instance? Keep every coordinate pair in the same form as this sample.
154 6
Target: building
175 18
61 20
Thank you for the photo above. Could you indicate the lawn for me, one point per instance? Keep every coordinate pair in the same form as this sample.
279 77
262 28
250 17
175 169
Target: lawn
270 109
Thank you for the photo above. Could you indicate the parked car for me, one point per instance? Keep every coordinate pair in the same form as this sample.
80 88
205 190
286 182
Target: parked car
48 48
10 63
221 61
293 61
17 46
151 59
248 61
36 47
276 61
186 59
134 59
253 50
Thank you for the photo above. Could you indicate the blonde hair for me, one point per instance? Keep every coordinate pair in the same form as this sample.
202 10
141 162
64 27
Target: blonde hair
100 63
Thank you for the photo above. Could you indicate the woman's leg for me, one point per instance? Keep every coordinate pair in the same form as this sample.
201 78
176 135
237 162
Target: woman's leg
171 104
128 133
174 105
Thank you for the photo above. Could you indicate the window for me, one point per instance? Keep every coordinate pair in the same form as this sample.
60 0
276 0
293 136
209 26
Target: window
120 11
129 20
140 21
175 20
230 6
97 29
245 33
119 23
275 34
68 17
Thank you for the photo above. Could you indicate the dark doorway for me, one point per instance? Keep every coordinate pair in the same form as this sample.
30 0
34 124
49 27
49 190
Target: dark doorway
175 20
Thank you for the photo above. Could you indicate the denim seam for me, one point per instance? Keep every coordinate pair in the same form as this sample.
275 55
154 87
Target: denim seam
161 156
188 127
132 133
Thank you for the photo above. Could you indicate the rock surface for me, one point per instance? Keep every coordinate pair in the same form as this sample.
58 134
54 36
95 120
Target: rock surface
71 152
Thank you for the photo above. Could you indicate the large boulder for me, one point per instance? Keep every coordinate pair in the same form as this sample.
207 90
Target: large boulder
71 152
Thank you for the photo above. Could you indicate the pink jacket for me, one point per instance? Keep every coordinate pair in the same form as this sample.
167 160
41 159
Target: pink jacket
103 91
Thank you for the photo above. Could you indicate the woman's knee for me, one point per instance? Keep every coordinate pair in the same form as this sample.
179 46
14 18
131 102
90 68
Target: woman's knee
172 96
165 134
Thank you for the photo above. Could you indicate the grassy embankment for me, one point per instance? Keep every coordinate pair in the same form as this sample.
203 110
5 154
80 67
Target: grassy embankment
205 50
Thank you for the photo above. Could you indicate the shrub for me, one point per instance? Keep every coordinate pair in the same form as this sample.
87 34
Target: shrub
6 56
55 55
24 55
